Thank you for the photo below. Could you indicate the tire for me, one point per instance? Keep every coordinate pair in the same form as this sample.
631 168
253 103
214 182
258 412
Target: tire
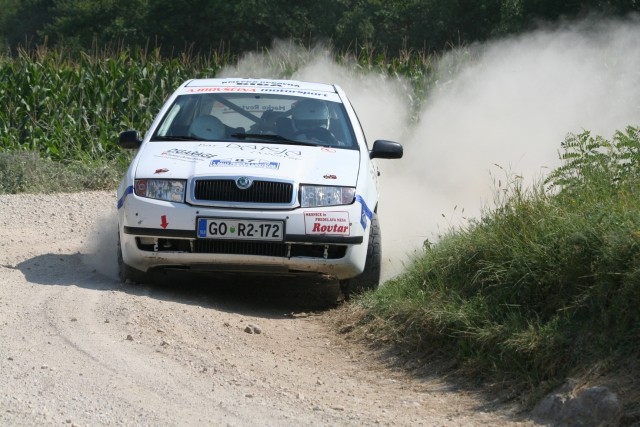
370 277
126 273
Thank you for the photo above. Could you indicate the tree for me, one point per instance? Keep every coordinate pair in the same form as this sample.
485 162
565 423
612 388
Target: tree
523 15
241 25
21 21
81 23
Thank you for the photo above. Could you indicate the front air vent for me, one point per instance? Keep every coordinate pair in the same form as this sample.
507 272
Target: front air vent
241 248
281 250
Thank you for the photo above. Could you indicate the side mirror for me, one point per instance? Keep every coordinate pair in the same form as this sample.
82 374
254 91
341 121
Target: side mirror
383 149
129 139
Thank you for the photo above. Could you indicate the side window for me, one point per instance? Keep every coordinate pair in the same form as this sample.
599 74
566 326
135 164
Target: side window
177 120
168 120
340 126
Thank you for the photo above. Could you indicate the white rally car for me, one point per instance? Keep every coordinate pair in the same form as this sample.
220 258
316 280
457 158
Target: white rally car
253 176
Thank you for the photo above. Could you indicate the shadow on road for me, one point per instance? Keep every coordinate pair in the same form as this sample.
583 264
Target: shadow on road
260 297
250 295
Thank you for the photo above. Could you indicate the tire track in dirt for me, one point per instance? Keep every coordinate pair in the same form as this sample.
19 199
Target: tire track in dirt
78 347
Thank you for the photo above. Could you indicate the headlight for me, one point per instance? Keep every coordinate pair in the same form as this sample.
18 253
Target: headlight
171 190
318 195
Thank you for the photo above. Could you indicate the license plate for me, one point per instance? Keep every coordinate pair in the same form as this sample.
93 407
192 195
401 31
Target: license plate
240 229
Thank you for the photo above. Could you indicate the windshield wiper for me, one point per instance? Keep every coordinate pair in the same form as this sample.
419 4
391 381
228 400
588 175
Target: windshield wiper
176 138
270 138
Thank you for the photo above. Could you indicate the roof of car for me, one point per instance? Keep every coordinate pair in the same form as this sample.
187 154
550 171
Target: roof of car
250 85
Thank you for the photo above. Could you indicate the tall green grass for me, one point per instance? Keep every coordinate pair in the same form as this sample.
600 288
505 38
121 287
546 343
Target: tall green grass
29 172
546 281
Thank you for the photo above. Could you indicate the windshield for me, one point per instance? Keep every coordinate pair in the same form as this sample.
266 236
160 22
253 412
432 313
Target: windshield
257 117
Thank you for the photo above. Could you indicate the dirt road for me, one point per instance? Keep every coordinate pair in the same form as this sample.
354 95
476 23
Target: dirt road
79 348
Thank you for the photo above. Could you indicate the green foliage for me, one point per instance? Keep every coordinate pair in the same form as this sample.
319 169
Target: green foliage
21 20
174 26
75 23
177 26
587 158
70 107
546 281
74 109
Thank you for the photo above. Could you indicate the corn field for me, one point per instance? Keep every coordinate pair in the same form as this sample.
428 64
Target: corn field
74 109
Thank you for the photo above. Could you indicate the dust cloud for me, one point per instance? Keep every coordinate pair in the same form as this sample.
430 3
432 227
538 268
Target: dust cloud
502 114
100 251
498 111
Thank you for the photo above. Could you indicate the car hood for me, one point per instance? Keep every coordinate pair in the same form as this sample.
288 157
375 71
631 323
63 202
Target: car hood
306 164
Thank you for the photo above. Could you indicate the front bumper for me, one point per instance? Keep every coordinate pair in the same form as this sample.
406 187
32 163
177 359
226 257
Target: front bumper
156 233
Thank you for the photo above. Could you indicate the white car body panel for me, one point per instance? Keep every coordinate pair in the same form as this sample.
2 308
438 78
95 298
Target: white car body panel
311 165
147 225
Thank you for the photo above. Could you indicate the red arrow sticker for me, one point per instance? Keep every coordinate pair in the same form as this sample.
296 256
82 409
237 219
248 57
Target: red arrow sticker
164 222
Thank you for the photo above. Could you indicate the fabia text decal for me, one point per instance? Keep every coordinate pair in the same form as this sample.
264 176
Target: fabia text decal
331 223
245 163
266 150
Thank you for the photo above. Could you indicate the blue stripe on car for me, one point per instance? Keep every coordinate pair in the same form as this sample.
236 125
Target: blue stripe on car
366 212
128 191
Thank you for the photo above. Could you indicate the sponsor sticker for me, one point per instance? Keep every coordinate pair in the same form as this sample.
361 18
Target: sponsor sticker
329 223
267 105
220 89
294 92
245 163
269 83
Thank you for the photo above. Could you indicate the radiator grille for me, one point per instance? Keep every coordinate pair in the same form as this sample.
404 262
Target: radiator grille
225 190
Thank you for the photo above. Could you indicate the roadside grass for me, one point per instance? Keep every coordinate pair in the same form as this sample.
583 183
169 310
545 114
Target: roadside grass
29 172
544 285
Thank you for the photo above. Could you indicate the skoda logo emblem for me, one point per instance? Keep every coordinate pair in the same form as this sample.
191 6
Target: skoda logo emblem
243 183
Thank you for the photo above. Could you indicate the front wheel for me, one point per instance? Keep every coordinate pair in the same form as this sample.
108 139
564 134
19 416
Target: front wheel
370 277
